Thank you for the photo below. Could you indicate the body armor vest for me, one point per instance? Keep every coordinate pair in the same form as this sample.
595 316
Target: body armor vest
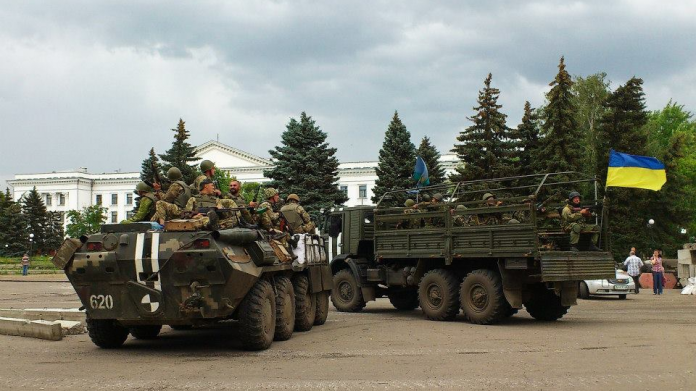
152 210
183 198
206 201
292 216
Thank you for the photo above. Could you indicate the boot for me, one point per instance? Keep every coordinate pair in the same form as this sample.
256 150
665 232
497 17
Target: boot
592 247
574 249
213 220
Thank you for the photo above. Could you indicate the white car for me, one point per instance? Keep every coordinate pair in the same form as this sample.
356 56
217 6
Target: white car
621 286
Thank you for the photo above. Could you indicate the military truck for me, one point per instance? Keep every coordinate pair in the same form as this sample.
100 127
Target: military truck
132 279
489 260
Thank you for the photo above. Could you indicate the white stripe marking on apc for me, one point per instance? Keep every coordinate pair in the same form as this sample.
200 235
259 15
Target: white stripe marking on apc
139 243
154 259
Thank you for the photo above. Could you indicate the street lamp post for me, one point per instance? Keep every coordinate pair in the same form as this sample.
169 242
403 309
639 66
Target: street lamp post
31 243
651 223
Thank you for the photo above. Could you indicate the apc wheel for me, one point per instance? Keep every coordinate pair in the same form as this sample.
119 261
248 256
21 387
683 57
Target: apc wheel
322 299
482 299
438 295
106 333
305 304
622 297
285 309
257 319
346 295
404 299
546 306
583 291
145 332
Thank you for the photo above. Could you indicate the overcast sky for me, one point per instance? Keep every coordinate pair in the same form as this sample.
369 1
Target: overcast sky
96 83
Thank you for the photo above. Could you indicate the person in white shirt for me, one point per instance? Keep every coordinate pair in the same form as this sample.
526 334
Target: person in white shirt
634 264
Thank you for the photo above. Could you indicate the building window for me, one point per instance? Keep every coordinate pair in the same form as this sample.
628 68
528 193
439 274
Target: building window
114 217
129 214
61 199
114 199
129 199
344 189
362 191
99 199
49 199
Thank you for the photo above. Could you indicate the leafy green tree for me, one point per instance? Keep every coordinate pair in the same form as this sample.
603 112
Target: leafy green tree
86 221
486 149
14 238
396 161
223 179
431 157
181 154
249 191
36 216
589 96
560 146
306 166
527 141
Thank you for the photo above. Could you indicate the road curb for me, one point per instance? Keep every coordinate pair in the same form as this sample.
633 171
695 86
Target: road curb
47 314
41 329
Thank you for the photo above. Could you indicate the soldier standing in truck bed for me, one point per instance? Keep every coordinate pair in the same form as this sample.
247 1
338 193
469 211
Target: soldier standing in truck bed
207 199
147 204
175 200
298 219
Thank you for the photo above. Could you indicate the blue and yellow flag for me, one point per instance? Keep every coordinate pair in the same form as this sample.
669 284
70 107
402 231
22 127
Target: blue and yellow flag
641 172
420 173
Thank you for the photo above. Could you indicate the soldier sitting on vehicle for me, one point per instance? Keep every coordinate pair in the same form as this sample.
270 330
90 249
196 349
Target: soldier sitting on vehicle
297 218
235 188
573 221
434 206
460 220
490 201
175 200
207 199
409 208
147 204
269 219
208 170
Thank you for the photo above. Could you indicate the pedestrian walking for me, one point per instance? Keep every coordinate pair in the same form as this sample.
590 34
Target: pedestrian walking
25 264
633 264
658 272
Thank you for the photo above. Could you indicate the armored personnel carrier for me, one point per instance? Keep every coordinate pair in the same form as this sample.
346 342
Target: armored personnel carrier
132 279
486 247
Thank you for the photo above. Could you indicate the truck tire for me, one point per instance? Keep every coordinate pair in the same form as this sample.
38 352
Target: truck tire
257 319
346 295
145 332
322 313
583 291
285 309
404 299
106 333
482 298
545 306
438 295
305 304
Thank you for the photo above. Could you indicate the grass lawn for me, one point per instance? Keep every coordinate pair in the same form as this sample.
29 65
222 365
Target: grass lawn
40 264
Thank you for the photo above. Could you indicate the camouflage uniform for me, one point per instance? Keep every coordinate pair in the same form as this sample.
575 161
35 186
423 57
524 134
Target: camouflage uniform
241 202
298 219
461 220
230 220
410 208
574 223
197 183
146 209
173 202
268 219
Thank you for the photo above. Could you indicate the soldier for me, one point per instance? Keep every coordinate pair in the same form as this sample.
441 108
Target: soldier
460 220
206 198
235 195
409 208
269 219
490 201
175 200
573 221
208 170
297 218
147 204
435 205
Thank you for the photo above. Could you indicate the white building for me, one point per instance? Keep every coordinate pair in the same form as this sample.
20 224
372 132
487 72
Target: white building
74 190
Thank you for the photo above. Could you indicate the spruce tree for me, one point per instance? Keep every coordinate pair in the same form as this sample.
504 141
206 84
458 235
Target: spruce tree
396 161
181 154
36 216
431 157
150 168
14 238
526 137
560 146
55 232
485 149
306 166
590 94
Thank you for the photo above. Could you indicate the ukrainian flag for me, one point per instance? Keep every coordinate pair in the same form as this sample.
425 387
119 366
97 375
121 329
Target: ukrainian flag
635 171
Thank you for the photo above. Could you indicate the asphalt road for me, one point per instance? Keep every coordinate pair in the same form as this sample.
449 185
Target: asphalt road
645 342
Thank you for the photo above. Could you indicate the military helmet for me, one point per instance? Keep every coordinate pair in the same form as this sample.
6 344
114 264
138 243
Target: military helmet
207 165
409 203
292 197
142 186
174 174
426 197
461 207
487 196
573 194
437 196
269 192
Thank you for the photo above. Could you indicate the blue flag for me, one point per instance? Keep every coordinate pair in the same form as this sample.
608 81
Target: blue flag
420 173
